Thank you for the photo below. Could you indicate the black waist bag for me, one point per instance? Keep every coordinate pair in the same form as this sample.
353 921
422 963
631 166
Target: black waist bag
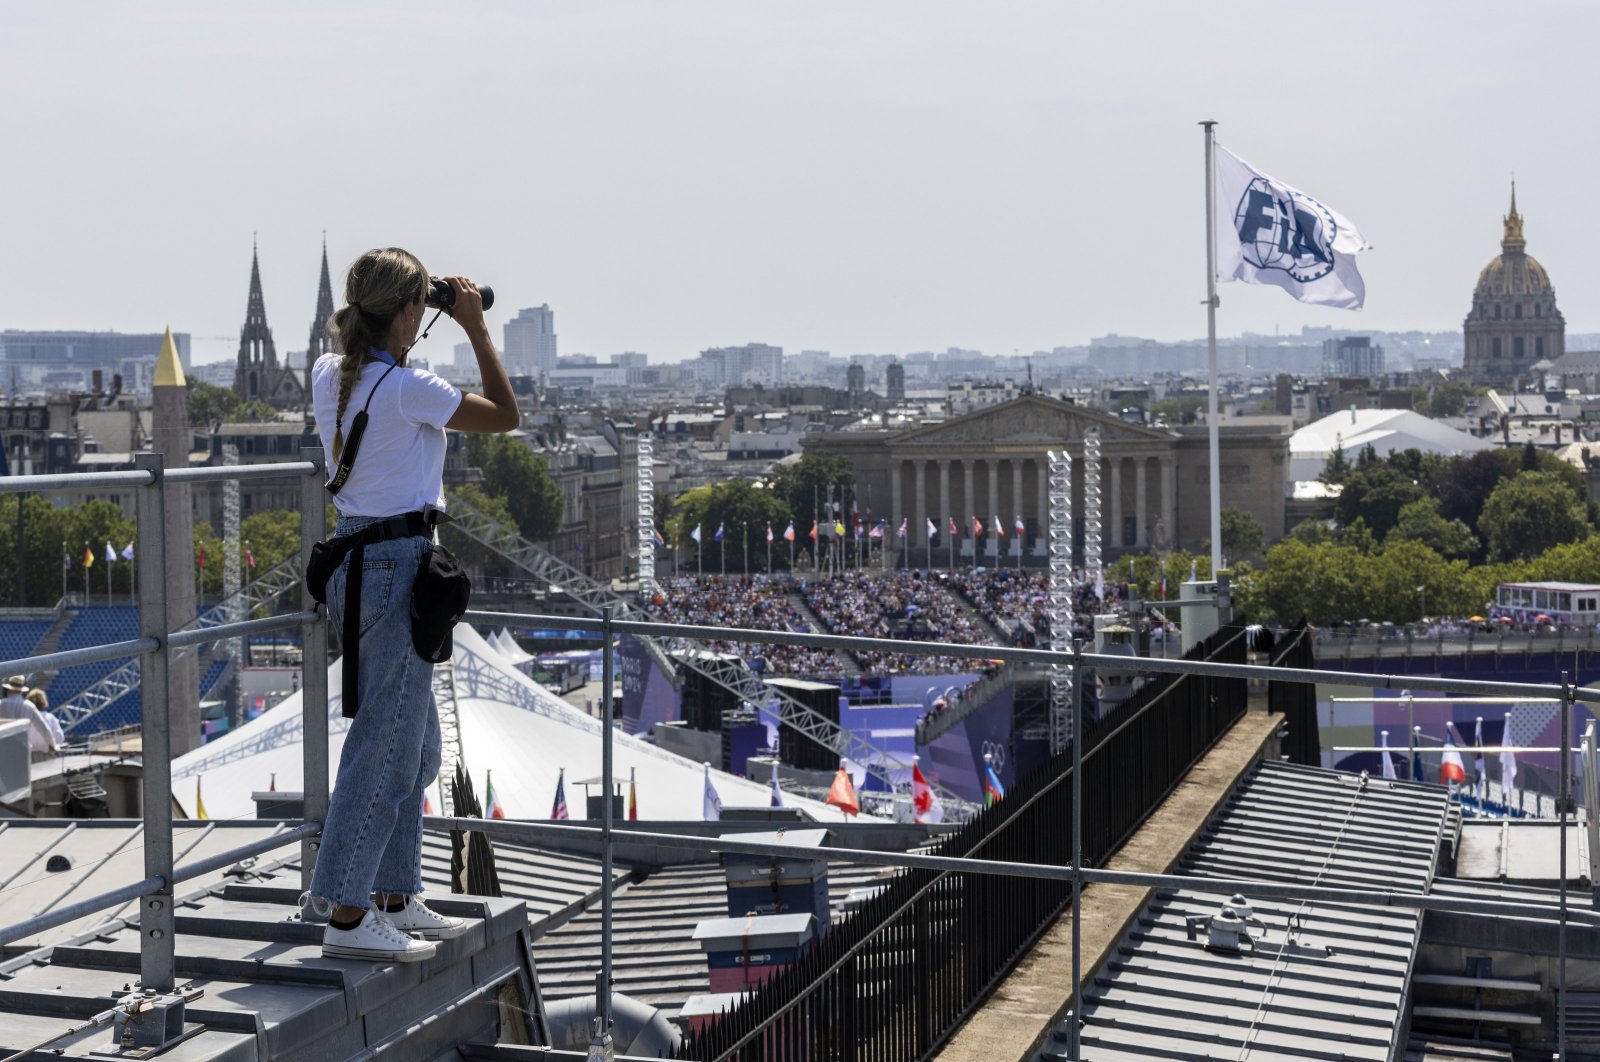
439 599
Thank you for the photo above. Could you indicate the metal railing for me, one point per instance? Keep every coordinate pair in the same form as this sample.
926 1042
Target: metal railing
155 648
1149 746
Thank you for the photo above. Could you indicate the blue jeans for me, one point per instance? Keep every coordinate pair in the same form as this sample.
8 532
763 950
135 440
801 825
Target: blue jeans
372 839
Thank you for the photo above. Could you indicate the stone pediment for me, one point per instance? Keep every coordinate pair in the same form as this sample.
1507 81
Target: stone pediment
1029 419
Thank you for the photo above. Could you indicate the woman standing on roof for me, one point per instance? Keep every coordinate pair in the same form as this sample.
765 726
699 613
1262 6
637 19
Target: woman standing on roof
369 868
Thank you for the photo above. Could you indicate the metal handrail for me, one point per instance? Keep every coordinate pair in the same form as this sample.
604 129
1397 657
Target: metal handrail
143 477
155 883
176 639
1047 657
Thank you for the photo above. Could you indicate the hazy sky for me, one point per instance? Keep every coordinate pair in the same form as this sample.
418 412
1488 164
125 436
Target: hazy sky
854 177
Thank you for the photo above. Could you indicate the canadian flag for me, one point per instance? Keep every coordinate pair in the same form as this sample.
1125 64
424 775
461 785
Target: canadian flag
925 806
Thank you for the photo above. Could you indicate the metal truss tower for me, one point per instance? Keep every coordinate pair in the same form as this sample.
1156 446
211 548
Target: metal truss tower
1092 534
1061 677
647 517
233 648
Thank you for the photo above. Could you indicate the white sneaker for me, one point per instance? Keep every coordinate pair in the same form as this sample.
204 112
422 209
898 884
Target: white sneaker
416 917
374 938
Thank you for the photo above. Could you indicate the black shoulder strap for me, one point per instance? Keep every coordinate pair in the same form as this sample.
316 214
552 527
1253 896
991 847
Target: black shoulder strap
358 428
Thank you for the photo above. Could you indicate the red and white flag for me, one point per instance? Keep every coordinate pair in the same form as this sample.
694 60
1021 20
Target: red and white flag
493 809
1450 767
925 806
558 807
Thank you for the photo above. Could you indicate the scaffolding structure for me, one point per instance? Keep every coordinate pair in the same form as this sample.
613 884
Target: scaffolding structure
1092 537
1060 560
232 579
647 517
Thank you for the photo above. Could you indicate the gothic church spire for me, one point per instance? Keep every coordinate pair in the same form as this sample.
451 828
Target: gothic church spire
320 342
256 374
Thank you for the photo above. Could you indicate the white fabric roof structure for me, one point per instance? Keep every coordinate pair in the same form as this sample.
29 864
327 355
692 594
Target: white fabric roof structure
510 725
507 646
1387 431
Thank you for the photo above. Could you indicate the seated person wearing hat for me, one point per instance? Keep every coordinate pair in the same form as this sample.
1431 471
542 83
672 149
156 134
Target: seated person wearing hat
15 705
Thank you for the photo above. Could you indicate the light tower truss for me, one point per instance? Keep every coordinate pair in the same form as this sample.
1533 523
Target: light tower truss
647 516
1061 596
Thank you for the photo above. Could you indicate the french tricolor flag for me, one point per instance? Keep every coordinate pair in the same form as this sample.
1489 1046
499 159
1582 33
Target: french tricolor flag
1451 768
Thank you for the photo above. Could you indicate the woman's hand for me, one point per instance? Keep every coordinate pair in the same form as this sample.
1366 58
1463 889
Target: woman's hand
468 307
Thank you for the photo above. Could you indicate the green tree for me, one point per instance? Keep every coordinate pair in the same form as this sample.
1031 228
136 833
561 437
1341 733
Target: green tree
472 553
1312 532
1241 534
740 509
512 471
272 537
1337 467
1449 399
1178 409
1530 513
1375 493
1420 521
1321 583
208 402
806 485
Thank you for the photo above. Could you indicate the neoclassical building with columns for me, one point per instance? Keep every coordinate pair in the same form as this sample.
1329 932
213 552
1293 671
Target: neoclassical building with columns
993 462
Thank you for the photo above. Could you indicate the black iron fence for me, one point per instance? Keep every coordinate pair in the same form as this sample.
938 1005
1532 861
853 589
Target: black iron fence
1297 701
897 979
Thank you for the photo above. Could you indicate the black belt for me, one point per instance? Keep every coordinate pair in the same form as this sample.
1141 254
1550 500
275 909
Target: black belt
355 546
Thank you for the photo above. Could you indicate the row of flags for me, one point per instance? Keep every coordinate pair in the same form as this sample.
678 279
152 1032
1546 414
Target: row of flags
1452 770
880 529
126 553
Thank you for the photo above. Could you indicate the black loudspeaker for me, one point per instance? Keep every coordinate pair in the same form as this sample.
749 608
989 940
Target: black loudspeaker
704 702
796 749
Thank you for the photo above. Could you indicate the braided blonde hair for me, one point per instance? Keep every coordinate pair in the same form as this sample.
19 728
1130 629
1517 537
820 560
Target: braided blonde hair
380 283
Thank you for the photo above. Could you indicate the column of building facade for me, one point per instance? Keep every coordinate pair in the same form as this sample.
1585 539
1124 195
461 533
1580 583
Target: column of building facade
1141 512
967 466
1168 499
1016 503
946 510
895 514
1112 531
1042 541
988 518
921 466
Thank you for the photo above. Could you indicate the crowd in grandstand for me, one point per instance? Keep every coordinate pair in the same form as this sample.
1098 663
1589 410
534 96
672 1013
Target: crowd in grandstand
900 604
760 603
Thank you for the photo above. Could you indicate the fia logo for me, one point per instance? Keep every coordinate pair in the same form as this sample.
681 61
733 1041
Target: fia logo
1284 229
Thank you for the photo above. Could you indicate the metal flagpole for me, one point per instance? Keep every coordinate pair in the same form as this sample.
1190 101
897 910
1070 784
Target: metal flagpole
109 565
86 555
1211 351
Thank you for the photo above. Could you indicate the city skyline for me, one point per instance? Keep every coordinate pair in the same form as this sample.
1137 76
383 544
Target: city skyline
886 180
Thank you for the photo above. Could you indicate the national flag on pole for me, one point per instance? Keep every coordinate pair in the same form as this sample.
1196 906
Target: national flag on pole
493 809
878 529
1508 763
1450 767
660 539
902 532
788 534
427 805
769 534
838 529
1019 527
993 791
1477 761
712 803
88 557
202 551
66 562
842 793
977 528
1270 233
998 530
1416 755
558 809
925 806
695 534
718 536
199 801
954 531
933 528
1100 583
633 794
250 558
777 794
1388 764
127 551
813 530
1163 580
111 553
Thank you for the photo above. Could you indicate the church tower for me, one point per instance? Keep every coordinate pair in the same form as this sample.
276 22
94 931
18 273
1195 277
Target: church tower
1514 323
256 374
321 342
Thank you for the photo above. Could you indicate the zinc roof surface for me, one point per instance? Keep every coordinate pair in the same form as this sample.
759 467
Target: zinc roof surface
1327 981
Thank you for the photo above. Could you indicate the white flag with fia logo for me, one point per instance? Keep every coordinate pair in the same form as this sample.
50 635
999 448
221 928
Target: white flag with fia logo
1270 233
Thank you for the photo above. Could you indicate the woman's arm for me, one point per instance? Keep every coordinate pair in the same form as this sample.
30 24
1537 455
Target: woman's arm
495 410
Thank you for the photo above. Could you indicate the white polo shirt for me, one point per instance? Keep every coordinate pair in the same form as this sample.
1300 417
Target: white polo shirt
400 467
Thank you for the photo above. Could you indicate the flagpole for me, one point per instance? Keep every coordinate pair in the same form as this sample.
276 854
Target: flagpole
1211 349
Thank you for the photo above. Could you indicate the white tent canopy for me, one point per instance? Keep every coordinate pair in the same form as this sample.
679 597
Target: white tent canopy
510 725
1387 431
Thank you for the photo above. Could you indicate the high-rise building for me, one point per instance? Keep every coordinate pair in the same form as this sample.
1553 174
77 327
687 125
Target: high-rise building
1351 356
69 360
1514 322
752 363
530 346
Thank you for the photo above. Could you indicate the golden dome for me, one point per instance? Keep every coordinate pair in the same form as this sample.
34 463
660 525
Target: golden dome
1515 272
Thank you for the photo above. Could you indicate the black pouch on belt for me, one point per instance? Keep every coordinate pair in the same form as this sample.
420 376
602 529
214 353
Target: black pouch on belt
438 600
